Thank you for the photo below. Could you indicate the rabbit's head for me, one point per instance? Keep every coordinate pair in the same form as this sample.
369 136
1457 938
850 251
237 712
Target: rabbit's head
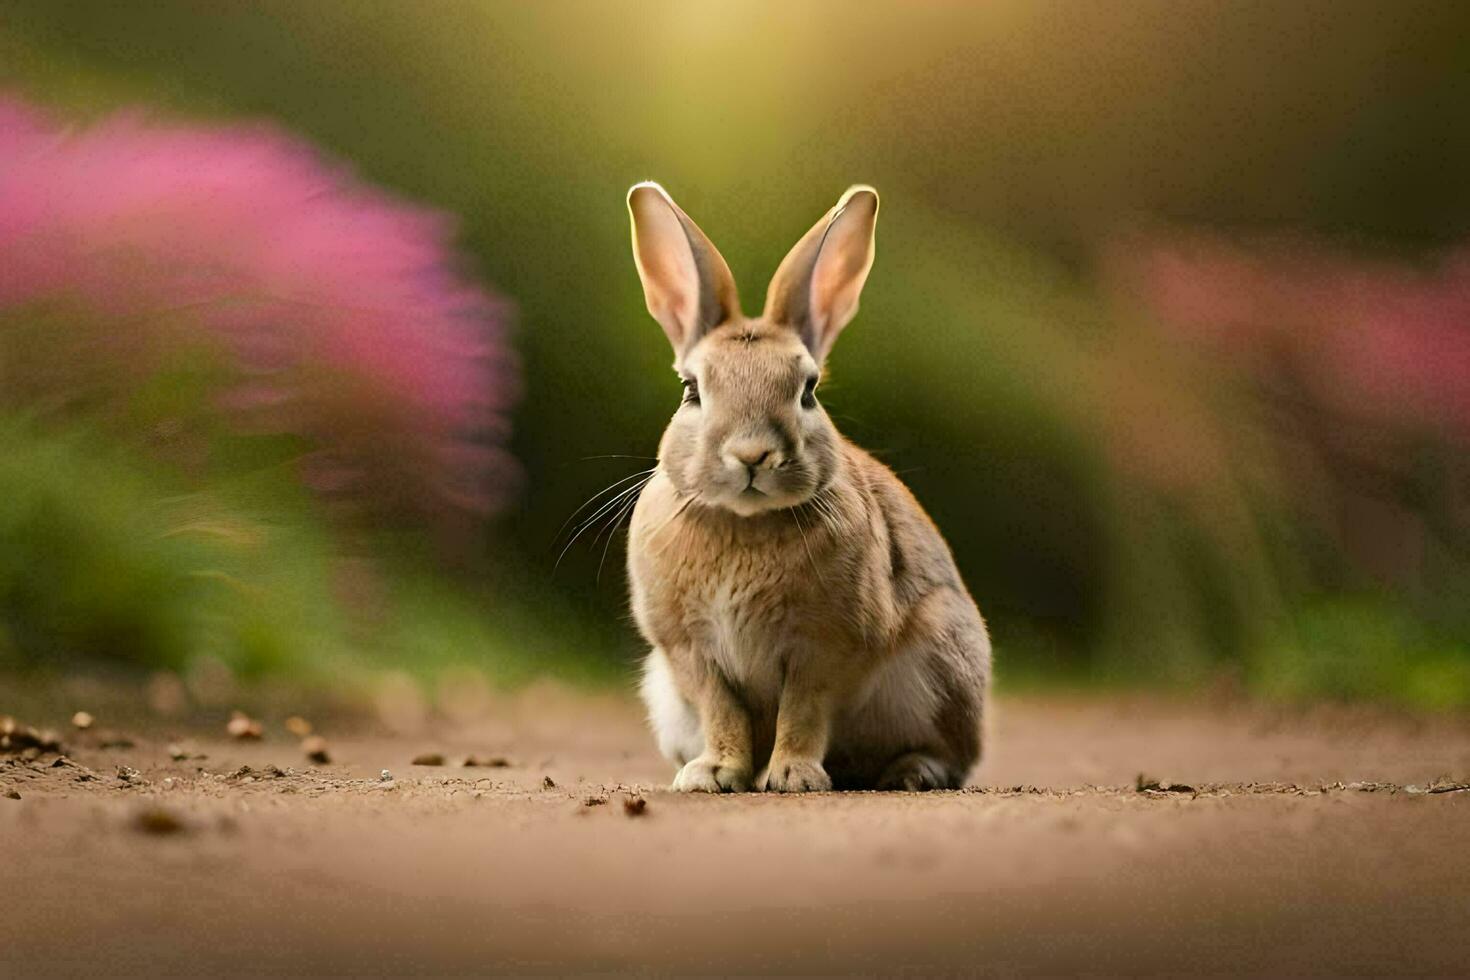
751 435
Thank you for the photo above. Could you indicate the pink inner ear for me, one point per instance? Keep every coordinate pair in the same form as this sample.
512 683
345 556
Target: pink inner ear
666 265
841 269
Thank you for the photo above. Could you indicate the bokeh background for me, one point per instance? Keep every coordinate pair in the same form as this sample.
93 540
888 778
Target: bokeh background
318 322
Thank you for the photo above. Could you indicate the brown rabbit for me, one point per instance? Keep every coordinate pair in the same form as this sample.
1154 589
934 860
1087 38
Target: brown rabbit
805 614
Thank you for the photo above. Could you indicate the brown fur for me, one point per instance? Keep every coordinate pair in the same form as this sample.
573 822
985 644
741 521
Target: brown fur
806 616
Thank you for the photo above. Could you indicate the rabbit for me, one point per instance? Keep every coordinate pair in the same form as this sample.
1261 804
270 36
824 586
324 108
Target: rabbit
809 628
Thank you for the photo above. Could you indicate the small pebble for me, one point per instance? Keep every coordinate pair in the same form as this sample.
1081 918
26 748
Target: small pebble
635 806
488 762
315 748
11 794
298 726
429 759
81 721
385 776
242 726
548 783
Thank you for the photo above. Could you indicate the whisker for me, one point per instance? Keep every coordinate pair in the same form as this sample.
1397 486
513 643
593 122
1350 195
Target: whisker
591 500
829 504
612 503
627 508
807 545
824 510
617 456
627 498
671 518
609 506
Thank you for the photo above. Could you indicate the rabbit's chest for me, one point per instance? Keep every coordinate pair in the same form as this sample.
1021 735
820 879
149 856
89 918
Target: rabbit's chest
741 615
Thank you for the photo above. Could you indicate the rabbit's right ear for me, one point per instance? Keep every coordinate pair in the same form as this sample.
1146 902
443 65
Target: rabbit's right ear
686 282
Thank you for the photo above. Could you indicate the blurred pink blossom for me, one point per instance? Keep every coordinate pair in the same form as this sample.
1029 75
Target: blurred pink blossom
1356 370
337 311
1376 340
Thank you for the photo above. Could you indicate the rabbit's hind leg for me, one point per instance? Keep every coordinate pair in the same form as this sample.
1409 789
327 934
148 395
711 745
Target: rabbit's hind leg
916 771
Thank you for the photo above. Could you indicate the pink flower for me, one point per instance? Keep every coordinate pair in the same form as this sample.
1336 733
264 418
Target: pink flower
1372 339
336 312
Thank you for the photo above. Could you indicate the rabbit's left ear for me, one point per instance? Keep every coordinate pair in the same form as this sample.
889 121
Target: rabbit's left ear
815 291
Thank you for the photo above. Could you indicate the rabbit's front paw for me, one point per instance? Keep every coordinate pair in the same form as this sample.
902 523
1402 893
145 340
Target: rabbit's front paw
796 776
711 776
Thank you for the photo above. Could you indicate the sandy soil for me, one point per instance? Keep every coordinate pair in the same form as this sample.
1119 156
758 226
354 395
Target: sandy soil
1318 843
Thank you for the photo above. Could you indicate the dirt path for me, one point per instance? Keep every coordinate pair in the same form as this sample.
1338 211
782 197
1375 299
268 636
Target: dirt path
1281 856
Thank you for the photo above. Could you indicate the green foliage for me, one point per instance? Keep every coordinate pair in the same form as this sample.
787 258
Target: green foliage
1364 648
104 557
505 634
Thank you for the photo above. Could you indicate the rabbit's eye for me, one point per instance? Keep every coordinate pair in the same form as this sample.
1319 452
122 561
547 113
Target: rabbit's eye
809 393
691 391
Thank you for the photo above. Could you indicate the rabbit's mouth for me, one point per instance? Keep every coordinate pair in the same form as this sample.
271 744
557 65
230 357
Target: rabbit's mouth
752 500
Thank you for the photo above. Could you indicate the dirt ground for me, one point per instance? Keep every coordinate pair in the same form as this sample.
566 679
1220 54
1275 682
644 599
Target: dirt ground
1256 842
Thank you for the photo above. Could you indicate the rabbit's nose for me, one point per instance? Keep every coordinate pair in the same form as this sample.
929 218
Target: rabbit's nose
751 455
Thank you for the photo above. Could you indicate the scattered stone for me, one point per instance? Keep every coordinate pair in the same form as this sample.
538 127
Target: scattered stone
487 762
298 726
11 794
275 771
1147 784
242 726
315 748
178 753
15 737
157 820
385 776
242 773
429 759
113 740
635 806
548 783
1444 784
81 721
594 801
129 775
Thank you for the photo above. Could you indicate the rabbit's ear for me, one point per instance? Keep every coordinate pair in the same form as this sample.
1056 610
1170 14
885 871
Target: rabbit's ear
815 290
686 282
